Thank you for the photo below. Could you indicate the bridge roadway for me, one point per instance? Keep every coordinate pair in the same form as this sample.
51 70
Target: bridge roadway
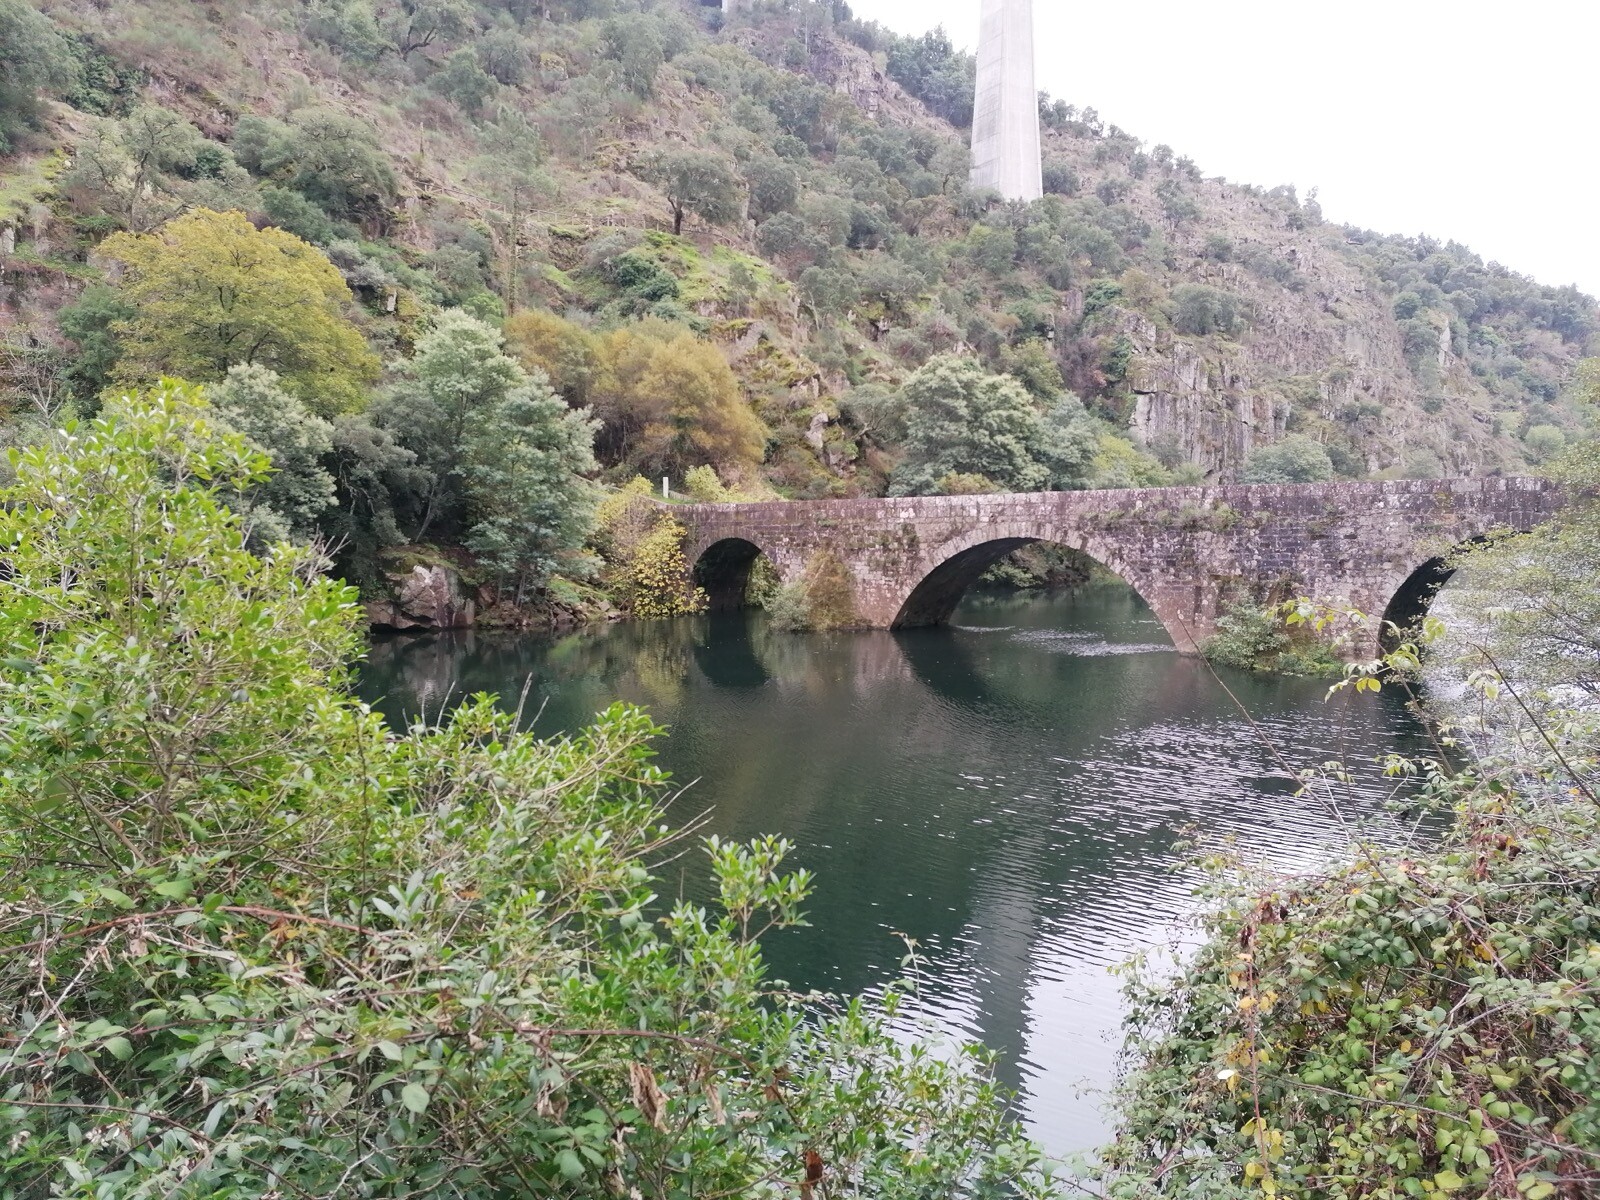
1381 547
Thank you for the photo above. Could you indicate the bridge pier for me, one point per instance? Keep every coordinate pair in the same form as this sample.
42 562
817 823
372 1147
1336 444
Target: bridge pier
1189 552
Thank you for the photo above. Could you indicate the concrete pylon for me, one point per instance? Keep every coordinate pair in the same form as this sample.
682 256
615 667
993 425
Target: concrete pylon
1005 115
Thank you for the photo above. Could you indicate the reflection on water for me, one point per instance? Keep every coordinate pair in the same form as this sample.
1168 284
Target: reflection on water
1008 792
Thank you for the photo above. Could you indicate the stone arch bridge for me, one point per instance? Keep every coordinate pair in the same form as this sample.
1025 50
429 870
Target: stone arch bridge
1188 552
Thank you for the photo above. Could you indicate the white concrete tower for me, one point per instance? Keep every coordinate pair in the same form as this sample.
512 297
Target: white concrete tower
1005 114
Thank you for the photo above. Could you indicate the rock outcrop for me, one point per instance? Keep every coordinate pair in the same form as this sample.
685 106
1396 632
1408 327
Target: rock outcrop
424 599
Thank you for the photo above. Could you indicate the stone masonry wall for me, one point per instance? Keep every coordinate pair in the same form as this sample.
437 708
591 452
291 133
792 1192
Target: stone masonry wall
1187 551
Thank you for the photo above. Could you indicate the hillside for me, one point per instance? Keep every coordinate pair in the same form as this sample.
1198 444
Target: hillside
516 156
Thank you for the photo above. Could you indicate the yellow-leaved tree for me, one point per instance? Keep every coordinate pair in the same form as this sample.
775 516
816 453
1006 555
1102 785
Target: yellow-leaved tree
210 291
670 402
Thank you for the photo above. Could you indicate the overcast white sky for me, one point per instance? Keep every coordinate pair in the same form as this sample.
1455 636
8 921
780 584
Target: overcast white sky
1469 120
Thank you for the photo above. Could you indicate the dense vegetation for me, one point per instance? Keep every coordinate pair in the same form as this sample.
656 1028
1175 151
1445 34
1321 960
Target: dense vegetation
743 245
1421 1020
254 945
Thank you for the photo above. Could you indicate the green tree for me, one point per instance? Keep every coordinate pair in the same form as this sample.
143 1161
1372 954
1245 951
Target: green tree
774 185
1296 459
91 323
349 27
1201 310
505 54
699 182
634 44
290 502
1544 442
209 291
963 421
504 456
415 25
129 168
463 80
332 159
934 71
34 59
528 502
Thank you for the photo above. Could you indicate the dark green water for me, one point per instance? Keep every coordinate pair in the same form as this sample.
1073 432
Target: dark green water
1009 792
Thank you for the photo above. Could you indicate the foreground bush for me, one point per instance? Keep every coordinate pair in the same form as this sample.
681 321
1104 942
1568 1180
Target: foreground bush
252 945
1421 1021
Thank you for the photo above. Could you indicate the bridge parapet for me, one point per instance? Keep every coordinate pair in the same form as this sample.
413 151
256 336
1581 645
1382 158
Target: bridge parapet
1187 551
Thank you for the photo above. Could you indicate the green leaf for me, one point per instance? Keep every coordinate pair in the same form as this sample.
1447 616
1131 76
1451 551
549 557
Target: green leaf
174 889
120 1048
570 1164
1448 1181
390 1051
121 899
415 1097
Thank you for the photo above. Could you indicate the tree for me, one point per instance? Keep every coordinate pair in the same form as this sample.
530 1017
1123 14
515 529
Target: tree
417 24
505 54
774 185
529 505
699 182
210 291
1296 459
349 27
634 43
457 376
91 324
290 502
330 158
34 58
1199 310
503 455
126 168
463 80
963 421
668 401
565 351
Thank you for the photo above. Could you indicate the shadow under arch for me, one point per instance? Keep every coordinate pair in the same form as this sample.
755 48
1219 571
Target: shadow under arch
936 596
1403 615
723 572
725 651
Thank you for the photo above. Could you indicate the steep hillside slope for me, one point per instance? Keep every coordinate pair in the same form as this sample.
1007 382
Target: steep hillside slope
789 186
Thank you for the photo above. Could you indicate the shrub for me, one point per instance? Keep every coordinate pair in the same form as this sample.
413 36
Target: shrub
1416 1020
1296 459
823 598
660 583
1199 310
463 80
1249 638
703 485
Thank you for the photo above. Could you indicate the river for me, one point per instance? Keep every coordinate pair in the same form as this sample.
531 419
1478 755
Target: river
1010 792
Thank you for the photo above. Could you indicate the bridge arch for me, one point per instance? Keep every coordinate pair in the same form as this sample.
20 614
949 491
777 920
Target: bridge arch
722 569
947 575
1413 599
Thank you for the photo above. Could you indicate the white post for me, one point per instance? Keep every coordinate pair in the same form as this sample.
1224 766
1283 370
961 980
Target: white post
666 489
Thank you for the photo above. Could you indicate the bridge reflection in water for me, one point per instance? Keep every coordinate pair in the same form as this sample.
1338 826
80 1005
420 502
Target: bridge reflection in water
1009 791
